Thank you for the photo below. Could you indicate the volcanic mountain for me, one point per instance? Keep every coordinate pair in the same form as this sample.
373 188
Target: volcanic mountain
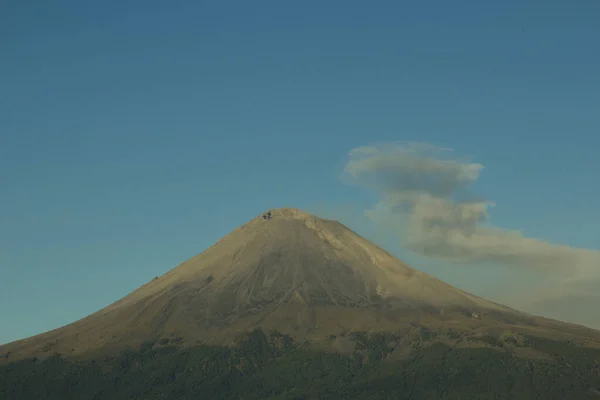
290 271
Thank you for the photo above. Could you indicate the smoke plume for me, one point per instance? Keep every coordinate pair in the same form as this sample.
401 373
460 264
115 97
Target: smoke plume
425 196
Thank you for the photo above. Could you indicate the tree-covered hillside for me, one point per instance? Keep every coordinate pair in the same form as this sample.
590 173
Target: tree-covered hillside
273 366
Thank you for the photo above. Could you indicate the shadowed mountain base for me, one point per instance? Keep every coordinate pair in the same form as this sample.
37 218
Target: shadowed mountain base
274 366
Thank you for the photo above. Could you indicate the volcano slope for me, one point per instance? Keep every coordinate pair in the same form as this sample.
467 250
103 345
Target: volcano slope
289 284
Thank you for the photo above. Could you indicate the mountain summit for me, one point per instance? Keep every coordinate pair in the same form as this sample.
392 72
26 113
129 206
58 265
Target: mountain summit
286 256
286 270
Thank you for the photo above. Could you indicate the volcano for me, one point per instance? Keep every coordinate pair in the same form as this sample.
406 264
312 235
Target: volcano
293 272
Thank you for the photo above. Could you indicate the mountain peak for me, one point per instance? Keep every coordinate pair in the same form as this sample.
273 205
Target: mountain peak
286 213
285 269
289 212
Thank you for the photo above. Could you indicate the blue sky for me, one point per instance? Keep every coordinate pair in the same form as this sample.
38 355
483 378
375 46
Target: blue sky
133 135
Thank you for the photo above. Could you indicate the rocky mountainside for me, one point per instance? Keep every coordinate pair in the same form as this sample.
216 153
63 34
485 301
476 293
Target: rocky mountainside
287 270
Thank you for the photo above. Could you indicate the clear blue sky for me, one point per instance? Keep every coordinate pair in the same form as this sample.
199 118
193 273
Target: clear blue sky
135 134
